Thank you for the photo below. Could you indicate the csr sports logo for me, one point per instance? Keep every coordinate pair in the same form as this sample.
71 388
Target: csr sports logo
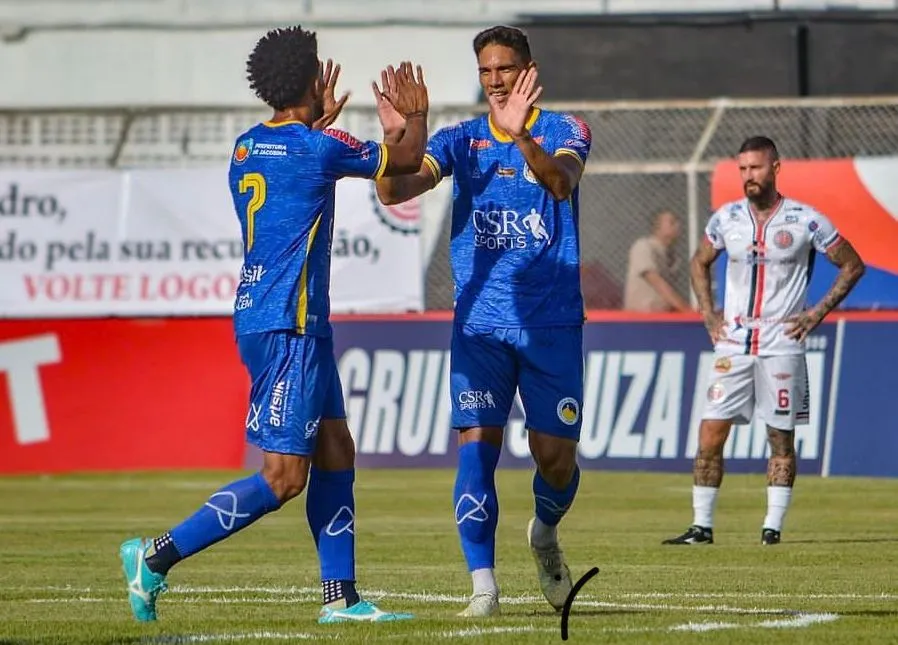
505 230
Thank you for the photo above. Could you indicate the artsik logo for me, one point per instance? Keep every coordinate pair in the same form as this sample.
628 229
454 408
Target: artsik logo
227 515
252 417
470 508
276 404
551 506
343 521
251 275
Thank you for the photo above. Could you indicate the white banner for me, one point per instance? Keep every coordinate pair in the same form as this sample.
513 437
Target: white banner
167 242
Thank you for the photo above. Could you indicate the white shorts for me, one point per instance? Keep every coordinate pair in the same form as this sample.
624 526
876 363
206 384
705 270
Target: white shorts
774 387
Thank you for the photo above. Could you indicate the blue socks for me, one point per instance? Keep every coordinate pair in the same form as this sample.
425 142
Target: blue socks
232 508
551 504
476 503
330 510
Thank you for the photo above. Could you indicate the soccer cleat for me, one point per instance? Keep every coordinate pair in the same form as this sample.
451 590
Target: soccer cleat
693 535
554 575
361 612
143 585
482 605
769 536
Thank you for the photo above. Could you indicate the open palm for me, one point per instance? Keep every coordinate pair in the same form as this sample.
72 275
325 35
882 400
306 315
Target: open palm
391 120
511 117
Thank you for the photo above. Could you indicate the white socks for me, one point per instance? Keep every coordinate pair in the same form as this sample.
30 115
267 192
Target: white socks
704 499
485 581
778 498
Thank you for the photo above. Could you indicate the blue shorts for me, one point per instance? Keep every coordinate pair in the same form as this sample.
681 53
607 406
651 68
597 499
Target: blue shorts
295 384
488 364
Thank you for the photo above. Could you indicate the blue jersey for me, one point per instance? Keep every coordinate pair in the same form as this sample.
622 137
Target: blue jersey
514 248
283 177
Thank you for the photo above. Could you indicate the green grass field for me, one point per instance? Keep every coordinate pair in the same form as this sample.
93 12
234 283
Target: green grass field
834 579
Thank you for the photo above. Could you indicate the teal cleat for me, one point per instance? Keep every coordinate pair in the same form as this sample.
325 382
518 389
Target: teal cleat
362 611
143 584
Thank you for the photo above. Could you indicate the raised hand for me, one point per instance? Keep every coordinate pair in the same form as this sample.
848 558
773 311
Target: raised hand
327 80
410 96
391 120
511 117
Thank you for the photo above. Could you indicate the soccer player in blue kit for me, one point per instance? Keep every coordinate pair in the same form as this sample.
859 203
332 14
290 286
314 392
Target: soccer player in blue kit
518 306
283 176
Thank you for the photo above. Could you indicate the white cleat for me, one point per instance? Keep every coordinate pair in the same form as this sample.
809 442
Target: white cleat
482 605
554 575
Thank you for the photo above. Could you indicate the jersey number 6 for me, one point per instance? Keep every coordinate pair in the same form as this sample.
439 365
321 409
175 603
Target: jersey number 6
255 182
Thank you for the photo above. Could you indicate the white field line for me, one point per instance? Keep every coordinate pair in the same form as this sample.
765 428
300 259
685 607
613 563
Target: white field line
795 622
307 594
427 597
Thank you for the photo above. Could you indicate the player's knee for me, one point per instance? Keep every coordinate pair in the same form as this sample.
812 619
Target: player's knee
556 461
712 436
782 442
335 449
287 478
558 474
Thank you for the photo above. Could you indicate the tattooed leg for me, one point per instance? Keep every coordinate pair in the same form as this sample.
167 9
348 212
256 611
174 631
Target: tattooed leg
780 477
708 470
781 465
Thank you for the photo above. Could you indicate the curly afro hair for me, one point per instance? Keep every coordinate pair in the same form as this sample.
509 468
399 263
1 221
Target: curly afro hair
282 66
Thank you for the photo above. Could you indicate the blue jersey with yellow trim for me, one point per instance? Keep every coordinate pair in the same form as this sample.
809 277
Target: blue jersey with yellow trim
515 249
283 178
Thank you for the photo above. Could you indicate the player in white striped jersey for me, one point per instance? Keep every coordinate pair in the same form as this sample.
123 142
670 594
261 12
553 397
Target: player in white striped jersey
759 366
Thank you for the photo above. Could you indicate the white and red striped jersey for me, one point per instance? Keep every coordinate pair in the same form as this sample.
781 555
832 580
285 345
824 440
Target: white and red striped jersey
768 271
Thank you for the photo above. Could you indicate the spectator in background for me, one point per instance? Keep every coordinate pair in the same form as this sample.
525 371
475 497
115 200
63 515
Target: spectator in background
653 269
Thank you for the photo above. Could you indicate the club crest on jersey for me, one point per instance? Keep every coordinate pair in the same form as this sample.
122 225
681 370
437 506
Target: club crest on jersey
568 411
783 239
716 392
243 150
723 364
529 176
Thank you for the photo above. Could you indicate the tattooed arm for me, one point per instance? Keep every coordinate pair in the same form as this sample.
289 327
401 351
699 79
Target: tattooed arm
700 272
851 268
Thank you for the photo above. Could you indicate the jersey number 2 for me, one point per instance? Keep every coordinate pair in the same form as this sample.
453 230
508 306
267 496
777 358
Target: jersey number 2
255 182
